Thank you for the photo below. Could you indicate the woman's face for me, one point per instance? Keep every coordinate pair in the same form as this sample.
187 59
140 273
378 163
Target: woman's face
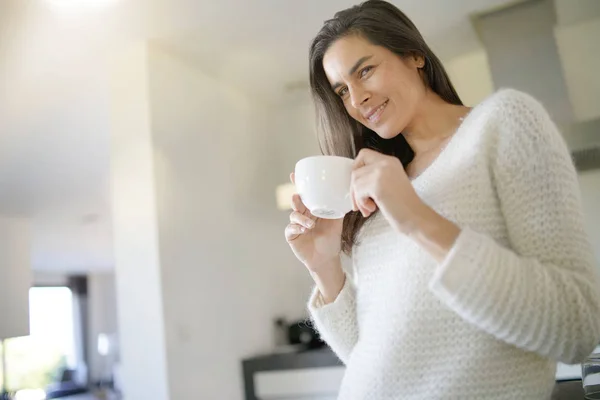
379 89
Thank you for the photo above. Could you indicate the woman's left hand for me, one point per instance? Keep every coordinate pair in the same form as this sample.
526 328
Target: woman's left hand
379 181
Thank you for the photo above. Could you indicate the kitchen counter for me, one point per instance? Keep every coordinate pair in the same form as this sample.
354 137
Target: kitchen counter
292 374
568 390
318 373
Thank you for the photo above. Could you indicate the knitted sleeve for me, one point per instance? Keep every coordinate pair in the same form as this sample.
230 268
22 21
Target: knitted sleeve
336 322
542 293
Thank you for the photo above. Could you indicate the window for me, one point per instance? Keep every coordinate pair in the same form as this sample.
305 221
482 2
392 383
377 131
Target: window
35 361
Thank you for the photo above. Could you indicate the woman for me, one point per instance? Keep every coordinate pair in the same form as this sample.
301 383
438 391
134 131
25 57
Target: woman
468 272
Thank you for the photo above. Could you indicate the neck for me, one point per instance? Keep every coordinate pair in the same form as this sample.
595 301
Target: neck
434 121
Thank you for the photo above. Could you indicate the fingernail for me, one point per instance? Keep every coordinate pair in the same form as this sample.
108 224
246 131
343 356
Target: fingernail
302 229
310 223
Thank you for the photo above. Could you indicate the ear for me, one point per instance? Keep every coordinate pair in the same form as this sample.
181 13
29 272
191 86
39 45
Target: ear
418 60
414 61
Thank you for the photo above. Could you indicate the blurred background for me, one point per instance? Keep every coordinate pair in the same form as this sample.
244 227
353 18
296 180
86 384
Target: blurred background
145 149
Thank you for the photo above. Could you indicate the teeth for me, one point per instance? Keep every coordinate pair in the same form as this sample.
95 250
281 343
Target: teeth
376 111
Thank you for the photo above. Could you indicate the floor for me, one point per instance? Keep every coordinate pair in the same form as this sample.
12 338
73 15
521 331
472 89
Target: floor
89 396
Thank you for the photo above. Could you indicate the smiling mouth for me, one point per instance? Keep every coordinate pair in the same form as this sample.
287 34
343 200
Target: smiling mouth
375 115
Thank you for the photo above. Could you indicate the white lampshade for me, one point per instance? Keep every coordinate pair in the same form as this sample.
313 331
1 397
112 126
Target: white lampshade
107 344
103 344
284 194
15 277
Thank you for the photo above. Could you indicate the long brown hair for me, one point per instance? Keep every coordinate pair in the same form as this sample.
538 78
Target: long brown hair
382 24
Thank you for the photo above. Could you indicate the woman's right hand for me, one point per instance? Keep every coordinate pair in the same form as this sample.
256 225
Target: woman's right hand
316 242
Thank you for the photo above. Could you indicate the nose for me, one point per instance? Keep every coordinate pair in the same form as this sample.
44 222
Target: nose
358 96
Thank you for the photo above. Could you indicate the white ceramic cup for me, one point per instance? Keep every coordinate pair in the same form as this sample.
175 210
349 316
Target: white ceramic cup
323 183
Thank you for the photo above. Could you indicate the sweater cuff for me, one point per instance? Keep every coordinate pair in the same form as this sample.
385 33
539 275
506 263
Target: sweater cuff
336 312
454 277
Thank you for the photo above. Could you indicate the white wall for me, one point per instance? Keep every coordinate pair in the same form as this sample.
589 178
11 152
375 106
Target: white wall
210 275
102 318
579 49
44 278
470 74
137 264
54 134
15 276
224 269
225 265
292 132
523 54
576 32
590 196
570 12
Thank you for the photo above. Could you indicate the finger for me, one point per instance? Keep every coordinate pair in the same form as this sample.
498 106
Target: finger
354 206
361 193
293 178
365 157
357 205
364 199
364 208
358 162
292 231
363 172
371 205
367 203
365 179
353 179
302 220
297 204
360 178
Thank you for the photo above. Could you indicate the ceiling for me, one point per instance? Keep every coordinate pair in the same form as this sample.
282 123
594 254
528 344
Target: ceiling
54 125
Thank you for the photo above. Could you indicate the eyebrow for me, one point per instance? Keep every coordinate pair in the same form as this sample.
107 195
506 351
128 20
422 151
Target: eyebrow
352 70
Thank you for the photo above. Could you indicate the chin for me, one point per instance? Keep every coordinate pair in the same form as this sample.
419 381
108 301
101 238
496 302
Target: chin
387 133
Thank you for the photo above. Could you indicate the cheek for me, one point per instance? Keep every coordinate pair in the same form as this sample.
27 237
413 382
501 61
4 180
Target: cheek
407 95
407 87
352 112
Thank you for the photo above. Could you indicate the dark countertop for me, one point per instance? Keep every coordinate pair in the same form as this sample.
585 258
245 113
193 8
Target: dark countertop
324 357
568 390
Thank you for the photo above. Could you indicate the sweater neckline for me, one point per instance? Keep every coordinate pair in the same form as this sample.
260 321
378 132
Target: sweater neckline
448 148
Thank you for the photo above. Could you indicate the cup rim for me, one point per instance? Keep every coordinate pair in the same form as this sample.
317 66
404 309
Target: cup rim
323 156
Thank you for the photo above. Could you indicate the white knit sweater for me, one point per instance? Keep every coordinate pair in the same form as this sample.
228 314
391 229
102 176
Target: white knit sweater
517 292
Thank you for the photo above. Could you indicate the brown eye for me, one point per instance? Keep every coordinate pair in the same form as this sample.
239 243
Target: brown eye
365 71
343 92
